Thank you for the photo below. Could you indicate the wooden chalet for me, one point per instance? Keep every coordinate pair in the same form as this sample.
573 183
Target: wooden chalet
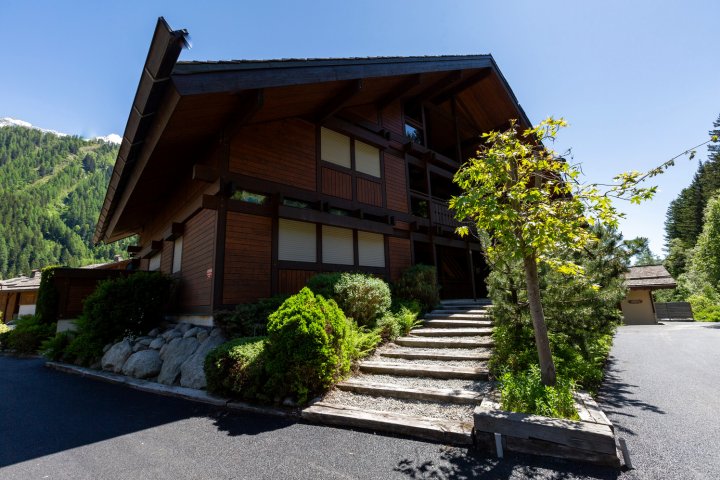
246 178
18 296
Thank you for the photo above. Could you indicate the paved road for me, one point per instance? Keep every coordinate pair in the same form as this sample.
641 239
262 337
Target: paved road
662 394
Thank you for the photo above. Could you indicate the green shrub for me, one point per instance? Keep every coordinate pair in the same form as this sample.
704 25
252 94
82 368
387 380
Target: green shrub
48 297
28 334
84 349
235 368
362 297
524 392
324 284
248 319
362 341
308 346
710 313
131 305
397 324
419 283
4 335
54 347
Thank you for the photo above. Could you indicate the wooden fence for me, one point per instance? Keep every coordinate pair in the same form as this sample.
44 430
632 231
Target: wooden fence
673 311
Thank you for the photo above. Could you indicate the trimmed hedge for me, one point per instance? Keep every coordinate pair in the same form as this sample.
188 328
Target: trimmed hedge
363 298
419 283
236 368
308 346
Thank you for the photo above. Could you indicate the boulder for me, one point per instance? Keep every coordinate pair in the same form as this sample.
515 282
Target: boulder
202 335
157 343
107 347
139 346
115 358
192 332
172 333
192 371
183 327
175 354
154 332
143 364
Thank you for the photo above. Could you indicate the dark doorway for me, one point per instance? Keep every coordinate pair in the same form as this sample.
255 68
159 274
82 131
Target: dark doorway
454 273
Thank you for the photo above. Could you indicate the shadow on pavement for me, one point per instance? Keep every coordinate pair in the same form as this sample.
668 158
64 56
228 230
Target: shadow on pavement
463 464
43 411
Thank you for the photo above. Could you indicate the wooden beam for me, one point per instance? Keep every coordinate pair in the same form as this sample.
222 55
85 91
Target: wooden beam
210 202
439 86
176 230
249 103
400 91
460 87
205 173
339 101
134 248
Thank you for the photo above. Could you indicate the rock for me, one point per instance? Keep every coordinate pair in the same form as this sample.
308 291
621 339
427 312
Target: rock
107 347
115 358
202 335
289 402
192 332
143 364
183 327
144 340
157 343
192 371
170 334
154 332
139 346
216 332
175 354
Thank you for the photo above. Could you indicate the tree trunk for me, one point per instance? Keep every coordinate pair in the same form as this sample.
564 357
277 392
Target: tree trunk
547 367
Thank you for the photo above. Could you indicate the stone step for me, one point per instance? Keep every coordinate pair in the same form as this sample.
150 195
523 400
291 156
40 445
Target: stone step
410 355
445 395
431 342
451 332
420 370
449 432
442 323
463 310
457 316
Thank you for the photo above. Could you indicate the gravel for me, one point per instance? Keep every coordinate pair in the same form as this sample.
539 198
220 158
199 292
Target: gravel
453 351
447 363
420 382
418 408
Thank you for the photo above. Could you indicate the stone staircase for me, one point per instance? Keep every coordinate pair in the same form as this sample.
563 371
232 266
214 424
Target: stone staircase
424 385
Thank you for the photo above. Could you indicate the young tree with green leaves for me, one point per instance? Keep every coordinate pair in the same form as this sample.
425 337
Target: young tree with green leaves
528 204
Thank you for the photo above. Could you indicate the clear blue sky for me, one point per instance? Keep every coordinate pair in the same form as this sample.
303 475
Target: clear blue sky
639 81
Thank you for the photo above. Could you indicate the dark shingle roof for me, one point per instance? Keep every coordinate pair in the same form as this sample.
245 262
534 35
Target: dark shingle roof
649 276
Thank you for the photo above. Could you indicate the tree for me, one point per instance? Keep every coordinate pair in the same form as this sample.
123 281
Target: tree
640 248
529 206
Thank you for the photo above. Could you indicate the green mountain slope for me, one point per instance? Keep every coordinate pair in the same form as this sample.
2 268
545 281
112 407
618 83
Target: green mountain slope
51 191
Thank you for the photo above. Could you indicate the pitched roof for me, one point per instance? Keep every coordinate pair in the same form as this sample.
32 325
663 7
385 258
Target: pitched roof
21 283
649 277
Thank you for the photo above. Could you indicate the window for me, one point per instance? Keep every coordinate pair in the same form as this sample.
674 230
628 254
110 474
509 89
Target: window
335 147
371 249
296 241
337 245
250 197
367 159
177 255
155 262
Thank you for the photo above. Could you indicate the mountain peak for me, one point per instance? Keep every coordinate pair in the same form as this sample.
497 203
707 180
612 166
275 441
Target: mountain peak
13 122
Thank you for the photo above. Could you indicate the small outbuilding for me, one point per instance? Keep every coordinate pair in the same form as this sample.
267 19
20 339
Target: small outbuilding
18 296
638 307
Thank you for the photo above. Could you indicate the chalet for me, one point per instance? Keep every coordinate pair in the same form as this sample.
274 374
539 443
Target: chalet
18 296
245 178
639 307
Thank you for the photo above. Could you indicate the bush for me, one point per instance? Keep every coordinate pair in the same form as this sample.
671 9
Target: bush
27 335
131 305
249 319
524 392
419 283
397 324
308 347
235 368
54 347
324 284
84 349
362 297
362 341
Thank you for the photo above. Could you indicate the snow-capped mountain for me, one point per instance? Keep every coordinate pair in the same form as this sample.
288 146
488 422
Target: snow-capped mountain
13 122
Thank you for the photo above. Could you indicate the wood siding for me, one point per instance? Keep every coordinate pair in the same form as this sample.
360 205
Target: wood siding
392 118
395 183
282 151
292 281
336 183
166 258
198 249
369 192
248 258
400 256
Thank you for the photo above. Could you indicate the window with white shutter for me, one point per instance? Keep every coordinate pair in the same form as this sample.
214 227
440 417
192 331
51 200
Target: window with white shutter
367 159
155 262
296 241
371 249
337 245
177 255
335 148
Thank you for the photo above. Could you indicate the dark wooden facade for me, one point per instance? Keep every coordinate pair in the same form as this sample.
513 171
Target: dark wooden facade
224 172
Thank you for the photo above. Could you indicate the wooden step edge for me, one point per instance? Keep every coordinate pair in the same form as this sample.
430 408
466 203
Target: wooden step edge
430 342
451 332
446 395
437 356
423 370
463 322
455 433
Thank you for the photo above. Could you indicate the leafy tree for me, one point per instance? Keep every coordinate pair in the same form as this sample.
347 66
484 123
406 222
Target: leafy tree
528 205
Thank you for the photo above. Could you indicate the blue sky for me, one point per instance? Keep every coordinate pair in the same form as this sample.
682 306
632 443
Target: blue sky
639 81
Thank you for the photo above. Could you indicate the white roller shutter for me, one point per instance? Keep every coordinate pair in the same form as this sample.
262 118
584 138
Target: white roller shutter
371 249
177 255
296 241
335 147
337 245
367 159
155 262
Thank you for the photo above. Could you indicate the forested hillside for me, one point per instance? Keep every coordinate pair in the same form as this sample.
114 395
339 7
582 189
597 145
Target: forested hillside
51 191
